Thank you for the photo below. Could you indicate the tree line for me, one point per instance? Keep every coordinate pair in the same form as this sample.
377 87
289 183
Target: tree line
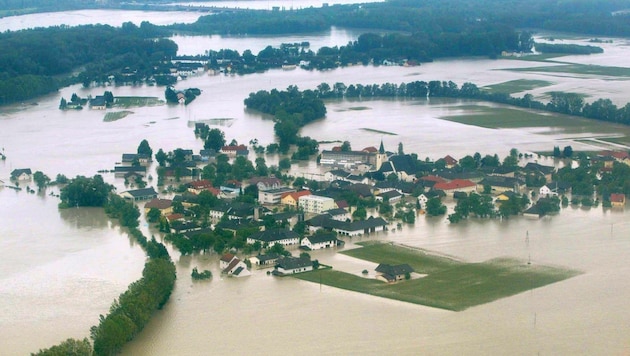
560 102
133 309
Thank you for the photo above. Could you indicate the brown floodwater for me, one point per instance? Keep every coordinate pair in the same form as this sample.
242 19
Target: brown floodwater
60 269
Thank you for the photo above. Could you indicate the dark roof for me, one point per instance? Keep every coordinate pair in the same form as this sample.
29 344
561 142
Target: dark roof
535 167
274 235
126 169
395 270
364 190
142 192
390 194
319 238
17 172
338 211
290 262
339 173
403 163
268 257
328 222
500 181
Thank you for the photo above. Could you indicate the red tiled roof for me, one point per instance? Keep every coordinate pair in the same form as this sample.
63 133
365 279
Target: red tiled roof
234 148
227 257
617 198
450 160
296 195
370 149
232 265
173 217
454 184
158 204
201 184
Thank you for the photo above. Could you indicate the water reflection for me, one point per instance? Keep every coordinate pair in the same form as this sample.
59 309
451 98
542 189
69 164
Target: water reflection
84 218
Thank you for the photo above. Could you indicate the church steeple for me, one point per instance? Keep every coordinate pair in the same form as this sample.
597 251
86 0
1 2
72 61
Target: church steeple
381 149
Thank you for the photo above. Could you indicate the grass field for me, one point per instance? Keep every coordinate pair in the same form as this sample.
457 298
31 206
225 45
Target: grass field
509 118
449 284
517 86
578 69
116 115
136 101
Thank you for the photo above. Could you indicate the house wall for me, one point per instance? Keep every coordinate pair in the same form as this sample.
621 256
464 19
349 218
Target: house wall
296 270
316 204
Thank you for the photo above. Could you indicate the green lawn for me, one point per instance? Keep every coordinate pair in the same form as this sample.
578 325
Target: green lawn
116 115
517 86
578 69
449 284
513 117
136 101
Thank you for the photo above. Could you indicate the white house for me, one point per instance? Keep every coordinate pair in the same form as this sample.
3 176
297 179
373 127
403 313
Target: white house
271 237
21 174
319 241
292 265
232 266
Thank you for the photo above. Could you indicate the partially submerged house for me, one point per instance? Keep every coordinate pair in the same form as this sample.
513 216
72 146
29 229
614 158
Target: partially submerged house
232 266
393 273
292 265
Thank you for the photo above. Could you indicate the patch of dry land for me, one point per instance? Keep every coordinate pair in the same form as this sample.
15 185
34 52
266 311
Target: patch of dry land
447 283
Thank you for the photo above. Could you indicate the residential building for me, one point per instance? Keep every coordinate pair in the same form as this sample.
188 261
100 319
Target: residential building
500 184
264 261
238 150
316 204
273 196
292 198
232 266
198 186
140 158
139 194
292 265
165 206
618 200
271 237
460 185
319 241
21 174
391 197
393 273
266 183
121 171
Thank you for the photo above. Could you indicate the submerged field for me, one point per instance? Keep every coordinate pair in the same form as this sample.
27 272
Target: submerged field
448 283
517 86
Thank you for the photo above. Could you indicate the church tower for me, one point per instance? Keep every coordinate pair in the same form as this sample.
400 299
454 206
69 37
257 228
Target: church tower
381 156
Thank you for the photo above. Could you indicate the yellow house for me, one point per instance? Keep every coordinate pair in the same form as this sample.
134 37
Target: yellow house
291 198
165 206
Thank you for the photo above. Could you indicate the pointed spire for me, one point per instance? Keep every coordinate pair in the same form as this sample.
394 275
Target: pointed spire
381 149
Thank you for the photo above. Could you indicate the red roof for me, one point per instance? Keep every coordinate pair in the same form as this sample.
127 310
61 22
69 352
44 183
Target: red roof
158 204
617 198
620 155
227 257
370 149
201 184
450 161
454 184
234 148
173 217
296 195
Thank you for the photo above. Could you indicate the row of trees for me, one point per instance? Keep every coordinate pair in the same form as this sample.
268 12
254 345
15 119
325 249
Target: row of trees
561 102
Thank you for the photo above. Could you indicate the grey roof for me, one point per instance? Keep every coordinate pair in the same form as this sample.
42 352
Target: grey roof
268 257
500 181
142 192
327 222
339 173
319 238
535 167
338 211
390 194
127 169
395 270
17 172
273 235
290 262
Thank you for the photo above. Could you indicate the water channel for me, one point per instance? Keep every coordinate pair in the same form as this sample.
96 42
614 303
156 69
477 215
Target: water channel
60 269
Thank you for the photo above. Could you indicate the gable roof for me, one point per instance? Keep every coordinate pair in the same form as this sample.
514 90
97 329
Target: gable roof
319 238
617 198
142 192
394 270
454 184
296 195
290 262
450 161
227 257
18 172
273 235
158 204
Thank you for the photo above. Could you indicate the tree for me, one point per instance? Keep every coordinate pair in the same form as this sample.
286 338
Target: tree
70 347
556 151
261 167
41 180
154 215
145 149
284 164
83 191
359 214
109 97
345 146
161 157
400 149
215 140
63 104
567 151
435 207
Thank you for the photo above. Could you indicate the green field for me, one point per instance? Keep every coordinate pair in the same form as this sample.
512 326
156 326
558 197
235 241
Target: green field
136 101
512 117
116 115
578 69
448 284
517 86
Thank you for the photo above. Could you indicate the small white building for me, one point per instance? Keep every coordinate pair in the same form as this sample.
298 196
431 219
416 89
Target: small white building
292 265
319 241
232 266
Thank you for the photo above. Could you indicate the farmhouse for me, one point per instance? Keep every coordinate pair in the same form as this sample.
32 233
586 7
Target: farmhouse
21 174
139 194
292 265
618 200
232 266
319 241
390 274
165 206
271 237
266 260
